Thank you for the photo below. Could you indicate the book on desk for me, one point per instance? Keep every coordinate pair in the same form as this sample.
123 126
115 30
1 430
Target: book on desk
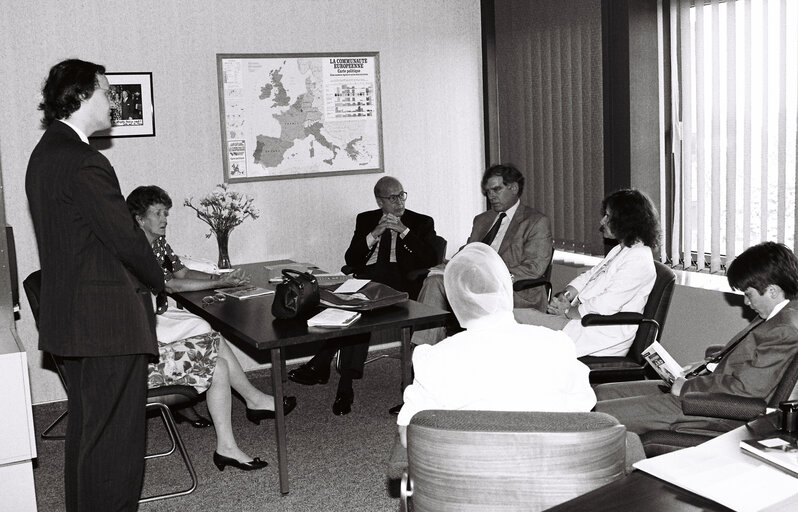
244 292
332 318
779 449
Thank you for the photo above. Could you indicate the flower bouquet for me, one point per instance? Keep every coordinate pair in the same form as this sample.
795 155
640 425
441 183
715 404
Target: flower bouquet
223 210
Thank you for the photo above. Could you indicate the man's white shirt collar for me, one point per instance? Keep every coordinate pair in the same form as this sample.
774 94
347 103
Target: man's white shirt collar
511 210
778 307
77 130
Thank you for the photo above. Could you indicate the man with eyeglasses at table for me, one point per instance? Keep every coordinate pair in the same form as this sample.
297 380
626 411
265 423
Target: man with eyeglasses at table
387 245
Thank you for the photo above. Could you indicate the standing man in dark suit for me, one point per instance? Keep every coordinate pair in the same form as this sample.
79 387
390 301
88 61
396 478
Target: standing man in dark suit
751 364
520 234
388 243
98 277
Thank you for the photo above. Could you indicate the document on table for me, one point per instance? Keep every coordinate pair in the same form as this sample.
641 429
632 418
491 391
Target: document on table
332 317
718 470
351 285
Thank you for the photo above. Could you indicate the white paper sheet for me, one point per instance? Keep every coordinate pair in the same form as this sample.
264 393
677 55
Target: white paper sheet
351 285
718 470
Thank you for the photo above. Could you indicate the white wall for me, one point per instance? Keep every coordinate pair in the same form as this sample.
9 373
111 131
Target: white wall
430 67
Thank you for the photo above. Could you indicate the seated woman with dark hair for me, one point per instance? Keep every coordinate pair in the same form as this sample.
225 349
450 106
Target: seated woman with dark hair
621 281
191 353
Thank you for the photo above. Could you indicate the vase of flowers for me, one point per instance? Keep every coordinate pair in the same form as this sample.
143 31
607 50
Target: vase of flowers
223 210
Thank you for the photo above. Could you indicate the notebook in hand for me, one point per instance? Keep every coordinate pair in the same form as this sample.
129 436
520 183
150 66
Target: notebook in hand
665 365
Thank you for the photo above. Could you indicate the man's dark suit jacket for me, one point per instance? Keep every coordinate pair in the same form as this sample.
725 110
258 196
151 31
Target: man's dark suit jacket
415 251
755 366
98 270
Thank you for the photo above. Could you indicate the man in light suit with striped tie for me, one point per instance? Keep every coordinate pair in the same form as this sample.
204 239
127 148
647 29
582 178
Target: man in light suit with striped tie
520 234
750 365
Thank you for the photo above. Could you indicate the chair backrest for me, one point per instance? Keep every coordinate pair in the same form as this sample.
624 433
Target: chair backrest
488 460
657 305
33 290
786 389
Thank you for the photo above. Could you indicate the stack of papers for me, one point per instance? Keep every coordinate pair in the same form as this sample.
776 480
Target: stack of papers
332 317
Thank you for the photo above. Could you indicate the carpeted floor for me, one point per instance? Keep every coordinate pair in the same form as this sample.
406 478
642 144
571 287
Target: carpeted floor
336 463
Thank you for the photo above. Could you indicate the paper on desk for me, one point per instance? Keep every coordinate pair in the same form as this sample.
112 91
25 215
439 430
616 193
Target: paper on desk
351 285
722 473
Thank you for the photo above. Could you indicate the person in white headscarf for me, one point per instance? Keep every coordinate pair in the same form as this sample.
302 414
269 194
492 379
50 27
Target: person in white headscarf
496 364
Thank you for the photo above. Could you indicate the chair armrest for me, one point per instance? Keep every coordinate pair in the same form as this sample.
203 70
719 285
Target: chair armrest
622 318
523 284
419 273
722 405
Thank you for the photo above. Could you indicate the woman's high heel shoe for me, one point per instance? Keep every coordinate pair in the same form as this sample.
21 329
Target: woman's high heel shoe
199 422
222 462
255 415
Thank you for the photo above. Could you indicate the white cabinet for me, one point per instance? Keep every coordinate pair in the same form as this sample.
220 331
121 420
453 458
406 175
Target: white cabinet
17 436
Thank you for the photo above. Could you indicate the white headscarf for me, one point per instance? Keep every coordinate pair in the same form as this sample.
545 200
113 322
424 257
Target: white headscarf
478 284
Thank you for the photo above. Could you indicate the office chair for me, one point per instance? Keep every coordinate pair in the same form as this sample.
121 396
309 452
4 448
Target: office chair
490 460
158 400
737 409
650 322
418 275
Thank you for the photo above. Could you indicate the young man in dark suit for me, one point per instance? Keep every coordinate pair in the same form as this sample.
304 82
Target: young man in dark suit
751 364
98 277
387 244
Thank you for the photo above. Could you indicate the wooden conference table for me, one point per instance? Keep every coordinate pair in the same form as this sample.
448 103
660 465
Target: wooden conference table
249 324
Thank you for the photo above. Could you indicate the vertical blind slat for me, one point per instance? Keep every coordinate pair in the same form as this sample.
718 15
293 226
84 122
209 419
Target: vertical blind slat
697 176
676 129
747 130
714 265
731 128
782 120
764 139
687 127
661 103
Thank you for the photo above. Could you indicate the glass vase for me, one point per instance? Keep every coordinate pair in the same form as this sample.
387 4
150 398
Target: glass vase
222 239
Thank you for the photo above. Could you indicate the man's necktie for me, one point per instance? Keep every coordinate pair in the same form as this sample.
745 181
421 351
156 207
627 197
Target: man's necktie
384 250
731 345
490 235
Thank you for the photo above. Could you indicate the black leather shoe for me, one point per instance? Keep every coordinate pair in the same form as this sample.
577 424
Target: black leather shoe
222 462
255 415
343 402
395 409
199 422
309 375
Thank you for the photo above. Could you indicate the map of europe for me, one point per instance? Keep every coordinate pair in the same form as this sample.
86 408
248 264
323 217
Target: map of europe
300 115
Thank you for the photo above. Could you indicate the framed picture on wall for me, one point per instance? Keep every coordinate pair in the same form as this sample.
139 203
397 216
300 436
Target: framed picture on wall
132 107
299 115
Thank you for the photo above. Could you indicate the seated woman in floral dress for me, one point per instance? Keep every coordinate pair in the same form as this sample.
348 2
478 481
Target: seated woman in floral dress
191 353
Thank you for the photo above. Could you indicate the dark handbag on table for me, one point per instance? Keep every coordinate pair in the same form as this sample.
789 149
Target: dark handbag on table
372 296
297 296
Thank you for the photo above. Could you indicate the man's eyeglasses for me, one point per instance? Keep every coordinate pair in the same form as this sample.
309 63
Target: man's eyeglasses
401 196
210 299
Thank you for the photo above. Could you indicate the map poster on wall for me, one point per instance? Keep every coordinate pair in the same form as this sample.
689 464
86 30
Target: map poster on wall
299 115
